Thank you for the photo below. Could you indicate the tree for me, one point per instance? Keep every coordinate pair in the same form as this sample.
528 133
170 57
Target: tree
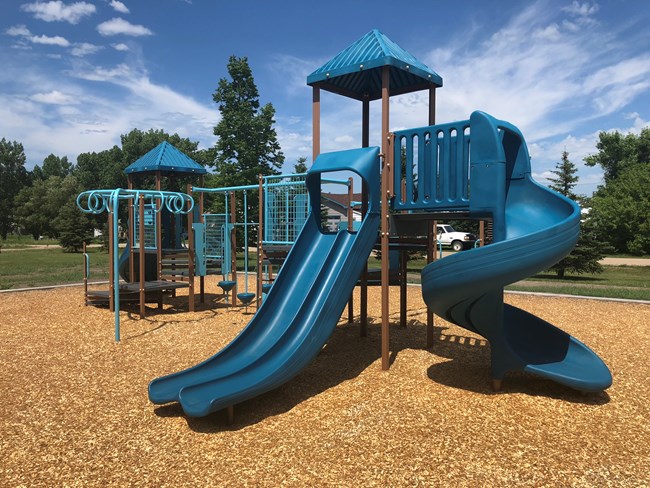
620 208
248 143
621 211
585 257
13 176
617 152
566 177
53 166
74 227
38 206
300 167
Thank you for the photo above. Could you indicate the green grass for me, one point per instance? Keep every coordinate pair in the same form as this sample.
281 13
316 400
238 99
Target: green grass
606 292
40 267
19 242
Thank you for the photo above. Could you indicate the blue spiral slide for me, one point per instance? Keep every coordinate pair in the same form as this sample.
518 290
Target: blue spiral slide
534 228
300 311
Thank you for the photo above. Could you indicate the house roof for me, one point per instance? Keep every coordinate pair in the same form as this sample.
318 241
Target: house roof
341 199
166 159
356 71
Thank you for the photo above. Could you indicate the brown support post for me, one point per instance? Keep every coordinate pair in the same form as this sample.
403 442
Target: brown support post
350 229
86 274
260 235
159 233
131 231
201 219
111 253
230 412
363 292
385 225
141 254
431 256
316 123
432 105
403 255
190 254
233 247
481 232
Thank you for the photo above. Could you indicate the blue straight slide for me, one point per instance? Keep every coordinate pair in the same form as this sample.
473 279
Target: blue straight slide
533 229
300 311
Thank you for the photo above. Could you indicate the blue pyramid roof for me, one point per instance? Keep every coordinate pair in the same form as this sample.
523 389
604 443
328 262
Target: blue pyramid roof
356 71
167 159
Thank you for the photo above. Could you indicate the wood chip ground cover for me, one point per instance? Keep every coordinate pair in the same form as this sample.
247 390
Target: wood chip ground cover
75 410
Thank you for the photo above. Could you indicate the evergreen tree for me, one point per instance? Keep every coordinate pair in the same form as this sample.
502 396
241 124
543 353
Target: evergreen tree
74 227
566 178
589 251
247 144
13 177
301 165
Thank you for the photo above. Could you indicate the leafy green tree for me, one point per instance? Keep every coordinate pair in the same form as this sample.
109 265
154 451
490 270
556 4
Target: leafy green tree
617 152
38 206
620 208
13 177
621 211
53 166
585 257
74 227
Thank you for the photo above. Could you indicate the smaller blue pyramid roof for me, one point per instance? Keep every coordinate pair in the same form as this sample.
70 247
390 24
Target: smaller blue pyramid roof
166 159
356 71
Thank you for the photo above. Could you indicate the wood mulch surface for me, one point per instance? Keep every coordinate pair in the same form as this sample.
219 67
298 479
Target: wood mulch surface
75 411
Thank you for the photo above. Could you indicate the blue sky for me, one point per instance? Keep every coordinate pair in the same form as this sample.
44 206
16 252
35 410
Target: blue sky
76 75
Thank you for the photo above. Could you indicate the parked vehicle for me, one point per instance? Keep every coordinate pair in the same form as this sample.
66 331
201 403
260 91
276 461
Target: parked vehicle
457 240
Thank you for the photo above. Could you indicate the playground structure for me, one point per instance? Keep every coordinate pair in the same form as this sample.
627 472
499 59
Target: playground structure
181 241
533 227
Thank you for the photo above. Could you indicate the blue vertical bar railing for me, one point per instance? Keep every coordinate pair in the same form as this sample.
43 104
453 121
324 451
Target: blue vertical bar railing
432 168
100 201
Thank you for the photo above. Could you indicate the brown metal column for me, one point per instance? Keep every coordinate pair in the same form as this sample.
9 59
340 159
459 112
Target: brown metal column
233 246
385 225
350 229
111 254
432 105
260 236
316 123
202 220
159 230
190 252
363 292
141 254
130 232
431 256
481 232
432 229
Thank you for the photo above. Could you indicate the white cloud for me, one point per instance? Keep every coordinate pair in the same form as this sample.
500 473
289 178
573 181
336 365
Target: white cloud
119 7
120 47
54 97
50 40
24 32
581 9
118 26
18 30
57 11
85 48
